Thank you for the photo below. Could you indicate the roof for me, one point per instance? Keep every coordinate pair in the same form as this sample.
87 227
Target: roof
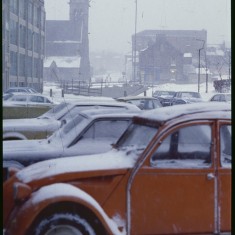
165 114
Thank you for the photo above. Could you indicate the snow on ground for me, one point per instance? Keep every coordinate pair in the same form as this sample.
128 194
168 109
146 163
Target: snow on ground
57 91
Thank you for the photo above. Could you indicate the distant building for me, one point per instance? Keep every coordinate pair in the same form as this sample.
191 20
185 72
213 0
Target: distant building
23 40
163 55
67 45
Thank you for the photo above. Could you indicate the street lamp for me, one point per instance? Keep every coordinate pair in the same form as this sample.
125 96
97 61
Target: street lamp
134 61
199 63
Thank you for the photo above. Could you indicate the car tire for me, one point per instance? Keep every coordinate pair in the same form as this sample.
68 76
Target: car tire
69 222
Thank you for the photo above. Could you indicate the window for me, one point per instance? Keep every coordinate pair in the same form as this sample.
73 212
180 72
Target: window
13 58
20 98
29 66
30 12
137 136
35 16
22 8
188 147
216 98
106 129
22 65
30 39
37 99
225 145
13 32
22 36
13 6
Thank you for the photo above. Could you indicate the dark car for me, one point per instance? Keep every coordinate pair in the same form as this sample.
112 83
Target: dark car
169 173
186 97
142 102
164 97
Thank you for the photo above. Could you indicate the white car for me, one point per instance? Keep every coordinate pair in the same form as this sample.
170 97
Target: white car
221 97
26 99
44 125
26 105
91 131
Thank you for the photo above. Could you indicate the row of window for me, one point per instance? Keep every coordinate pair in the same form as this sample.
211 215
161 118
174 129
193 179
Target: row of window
27 38
28 66
27 11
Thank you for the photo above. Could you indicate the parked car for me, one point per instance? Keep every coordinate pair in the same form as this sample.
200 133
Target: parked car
44 125
143 102
221 97
186 97
89 132
21 89
164 97
6 96
169 173
24 105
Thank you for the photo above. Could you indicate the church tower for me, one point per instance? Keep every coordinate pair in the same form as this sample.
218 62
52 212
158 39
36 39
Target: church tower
78 16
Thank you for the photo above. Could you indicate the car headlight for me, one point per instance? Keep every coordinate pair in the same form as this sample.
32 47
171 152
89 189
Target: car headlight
21 191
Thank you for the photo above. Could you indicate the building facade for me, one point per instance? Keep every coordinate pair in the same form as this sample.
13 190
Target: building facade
23 38
67 45
163 55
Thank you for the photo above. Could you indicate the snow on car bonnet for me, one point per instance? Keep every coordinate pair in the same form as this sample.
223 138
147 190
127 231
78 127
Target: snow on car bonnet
113 159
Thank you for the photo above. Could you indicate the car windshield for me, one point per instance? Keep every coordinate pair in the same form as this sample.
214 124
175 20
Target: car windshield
136 137
69 131
55 110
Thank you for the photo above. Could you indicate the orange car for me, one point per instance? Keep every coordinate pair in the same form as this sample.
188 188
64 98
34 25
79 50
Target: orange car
170 173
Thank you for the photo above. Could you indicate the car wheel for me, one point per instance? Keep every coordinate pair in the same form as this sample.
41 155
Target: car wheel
63 223
70 220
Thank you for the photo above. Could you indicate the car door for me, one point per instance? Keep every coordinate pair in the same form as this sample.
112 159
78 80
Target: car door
173 191
224 176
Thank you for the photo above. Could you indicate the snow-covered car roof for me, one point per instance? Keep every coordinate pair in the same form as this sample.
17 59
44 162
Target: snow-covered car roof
169 113
59 111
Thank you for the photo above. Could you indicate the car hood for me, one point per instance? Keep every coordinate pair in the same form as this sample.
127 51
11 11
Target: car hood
30 150
111 160
31 124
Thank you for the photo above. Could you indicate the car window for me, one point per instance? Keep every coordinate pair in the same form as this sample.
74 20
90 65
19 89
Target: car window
137 136
19 98
37 99
216 98
187 147
156 104
149 104
106 129
47 101
225 145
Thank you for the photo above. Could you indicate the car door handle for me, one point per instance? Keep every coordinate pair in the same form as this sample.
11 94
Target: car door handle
210 176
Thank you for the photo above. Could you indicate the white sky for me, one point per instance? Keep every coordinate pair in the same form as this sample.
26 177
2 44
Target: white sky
112 22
